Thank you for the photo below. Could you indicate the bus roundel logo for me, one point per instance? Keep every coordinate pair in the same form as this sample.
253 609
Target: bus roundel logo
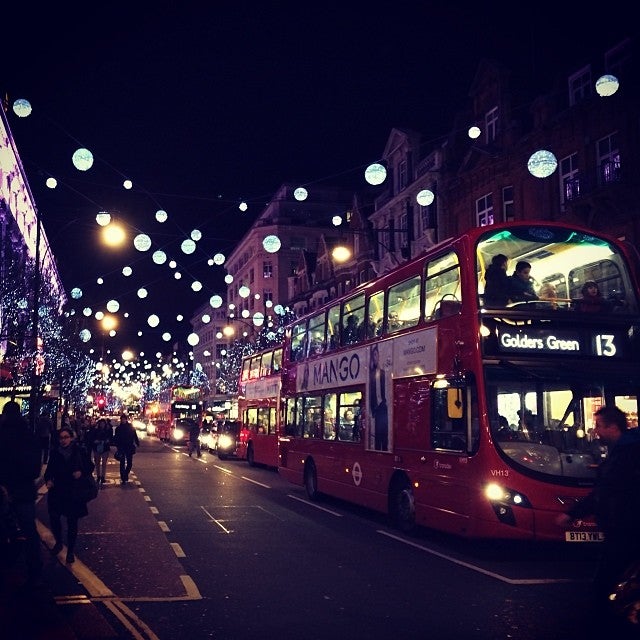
356 472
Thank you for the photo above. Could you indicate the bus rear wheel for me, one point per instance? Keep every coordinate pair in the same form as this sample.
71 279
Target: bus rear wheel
250 459
311 480
402 508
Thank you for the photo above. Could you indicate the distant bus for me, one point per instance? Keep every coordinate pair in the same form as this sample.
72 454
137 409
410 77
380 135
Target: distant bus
177 402
259 407
412 397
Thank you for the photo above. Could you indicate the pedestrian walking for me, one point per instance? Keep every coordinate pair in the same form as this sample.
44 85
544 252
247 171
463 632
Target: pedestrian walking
19 469
44 430
194 439
98 442
62 478
126 441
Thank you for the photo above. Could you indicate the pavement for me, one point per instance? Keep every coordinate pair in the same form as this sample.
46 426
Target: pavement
74 601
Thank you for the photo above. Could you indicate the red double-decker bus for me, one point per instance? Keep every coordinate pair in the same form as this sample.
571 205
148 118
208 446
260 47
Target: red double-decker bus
175 404
259 407
413 395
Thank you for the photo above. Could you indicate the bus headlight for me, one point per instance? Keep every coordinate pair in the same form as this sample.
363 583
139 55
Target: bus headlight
497 493
178 434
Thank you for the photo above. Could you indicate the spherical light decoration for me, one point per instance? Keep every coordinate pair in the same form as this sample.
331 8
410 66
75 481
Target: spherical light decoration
113 306
161 215
425 197
279 309
177 275
206 318
99 315
100 280
474 132
196 235
336 221
179 317
268 304
173 264
159 257
85 335
228 278
103 218
127 271
245 313
271 244
76 293
300 194
193 339
166 336
87 312
375 174
142 293
196 285
542 164
153 320
22 108
82 159
127 184
112 333
51 182
243 206
607 85
142 242
188 246
258 318
215 301
244 291
219 259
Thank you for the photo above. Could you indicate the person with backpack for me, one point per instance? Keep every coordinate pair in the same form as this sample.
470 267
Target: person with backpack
98 443
63 479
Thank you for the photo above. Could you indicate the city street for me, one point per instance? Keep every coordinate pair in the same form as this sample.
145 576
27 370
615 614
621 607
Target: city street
202 548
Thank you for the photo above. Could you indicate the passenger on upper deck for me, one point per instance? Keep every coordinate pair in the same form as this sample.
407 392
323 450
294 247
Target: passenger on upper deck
521 283
548 293
496 282
592 301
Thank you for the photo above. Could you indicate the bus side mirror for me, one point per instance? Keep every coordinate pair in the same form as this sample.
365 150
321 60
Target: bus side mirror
454 403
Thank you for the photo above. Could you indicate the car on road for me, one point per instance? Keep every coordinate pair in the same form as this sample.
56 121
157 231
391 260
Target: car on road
228 439
209 437
179 431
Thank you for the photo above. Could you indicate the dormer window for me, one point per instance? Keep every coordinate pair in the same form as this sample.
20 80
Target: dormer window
491 125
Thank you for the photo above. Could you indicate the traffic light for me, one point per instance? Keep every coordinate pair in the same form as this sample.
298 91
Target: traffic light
102 401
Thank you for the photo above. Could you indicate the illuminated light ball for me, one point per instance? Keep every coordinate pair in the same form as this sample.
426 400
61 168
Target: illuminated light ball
196 235
215 301
142 293
153 320
244 291
228 278
173 264
99 315
87 312
256 296
126 314
474 132
279 309
127 271
142 242
218 335
268 304
22 108
258 318
85 335
103 218
177 275
193 339
607 85
100 280
196 285
206 318
245 313
113 306
188 246
425 197
210 262
179 317
51 182
271 335
82 159
219 259
76 293
375 174
161 215
271 244
243 206
159 257
300 194
336 221
127 184
542 164
112 333
166 336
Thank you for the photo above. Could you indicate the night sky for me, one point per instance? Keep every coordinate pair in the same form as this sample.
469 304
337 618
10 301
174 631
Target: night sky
208 104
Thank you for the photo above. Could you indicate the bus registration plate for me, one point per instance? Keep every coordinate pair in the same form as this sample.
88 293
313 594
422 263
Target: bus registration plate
584 536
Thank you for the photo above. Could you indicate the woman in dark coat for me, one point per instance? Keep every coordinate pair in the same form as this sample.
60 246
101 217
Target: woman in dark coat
496 287
62 477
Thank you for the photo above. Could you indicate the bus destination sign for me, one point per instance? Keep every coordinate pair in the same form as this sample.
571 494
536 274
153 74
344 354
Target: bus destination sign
549 341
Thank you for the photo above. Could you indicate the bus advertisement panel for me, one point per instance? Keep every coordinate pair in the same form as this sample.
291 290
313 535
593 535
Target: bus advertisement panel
457 413
259 407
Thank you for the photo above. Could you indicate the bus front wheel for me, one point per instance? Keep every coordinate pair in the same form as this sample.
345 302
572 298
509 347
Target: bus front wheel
402 508
311 480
